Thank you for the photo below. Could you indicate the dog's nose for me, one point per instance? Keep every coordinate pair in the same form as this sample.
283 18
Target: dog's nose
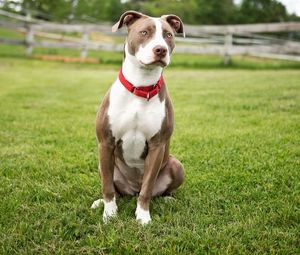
160 51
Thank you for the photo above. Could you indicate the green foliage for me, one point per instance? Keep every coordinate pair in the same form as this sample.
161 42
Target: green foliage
58 10
215 12
264 11
95 10
191 11
158 8
236 132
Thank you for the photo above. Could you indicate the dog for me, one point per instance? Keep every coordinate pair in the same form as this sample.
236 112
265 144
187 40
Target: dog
134 123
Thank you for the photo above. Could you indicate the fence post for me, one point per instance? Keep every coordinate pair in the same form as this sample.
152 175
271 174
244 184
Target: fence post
85 40
29 41
228 46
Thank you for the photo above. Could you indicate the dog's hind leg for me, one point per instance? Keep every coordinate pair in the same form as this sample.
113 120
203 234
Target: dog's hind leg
169 178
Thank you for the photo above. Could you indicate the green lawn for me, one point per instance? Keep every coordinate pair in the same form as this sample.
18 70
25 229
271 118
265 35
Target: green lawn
237 133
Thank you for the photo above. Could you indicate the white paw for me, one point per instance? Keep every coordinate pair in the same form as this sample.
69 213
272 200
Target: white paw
142 216
169 199
96 203
110 209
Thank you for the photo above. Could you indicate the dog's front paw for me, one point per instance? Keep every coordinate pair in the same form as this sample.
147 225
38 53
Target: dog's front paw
110 210
142 216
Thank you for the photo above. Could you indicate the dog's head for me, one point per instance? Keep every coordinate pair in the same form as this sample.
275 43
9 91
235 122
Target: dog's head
150 40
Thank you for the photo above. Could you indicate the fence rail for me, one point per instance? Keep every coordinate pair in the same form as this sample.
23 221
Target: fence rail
221 40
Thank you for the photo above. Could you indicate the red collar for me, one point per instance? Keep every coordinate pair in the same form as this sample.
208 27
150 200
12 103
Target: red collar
145 91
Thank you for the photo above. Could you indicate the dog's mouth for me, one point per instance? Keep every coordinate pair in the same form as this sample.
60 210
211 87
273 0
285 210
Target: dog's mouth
158 62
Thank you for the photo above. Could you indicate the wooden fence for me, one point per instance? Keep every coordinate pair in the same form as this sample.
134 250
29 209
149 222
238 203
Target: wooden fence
221 40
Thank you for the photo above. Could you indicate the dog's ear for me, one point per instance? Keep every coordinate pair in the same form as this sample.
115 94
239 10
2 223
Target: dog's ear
127 18
175 22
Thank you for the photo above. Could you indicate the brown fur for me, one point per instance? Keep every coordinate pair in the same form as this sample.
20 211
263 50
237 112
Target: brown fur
159 166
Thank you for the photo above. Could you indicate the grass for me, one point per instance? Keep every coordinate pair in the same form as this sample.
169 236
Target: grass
237 134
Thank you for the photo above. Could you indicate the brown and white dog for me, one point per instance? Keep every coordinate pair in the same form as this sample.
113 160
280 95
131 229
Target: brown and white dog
135 120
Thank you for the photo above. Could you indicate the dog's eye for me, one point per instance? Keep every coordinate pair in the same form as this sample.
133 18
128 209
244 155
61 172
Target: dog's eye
169 35
144 32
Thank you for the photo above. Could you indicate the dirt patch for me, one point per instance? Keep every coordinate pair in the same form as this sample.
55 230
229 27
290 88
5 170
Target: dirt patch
67 59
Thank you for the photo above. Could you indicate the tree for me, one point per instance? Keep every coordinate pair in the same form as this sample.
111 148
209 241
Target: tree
215 12
58 10
262 11
158 8
191 11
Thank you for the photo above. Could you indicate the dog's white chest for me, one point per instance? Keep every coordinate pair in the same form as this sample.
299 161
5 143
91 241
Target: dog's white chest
134 120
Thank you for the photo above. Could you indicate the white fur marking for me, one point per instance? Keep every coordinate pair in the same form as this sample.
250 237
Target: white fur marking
142 216
133 147
169 199
96 203
138 74
134 120
110 209
145 53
